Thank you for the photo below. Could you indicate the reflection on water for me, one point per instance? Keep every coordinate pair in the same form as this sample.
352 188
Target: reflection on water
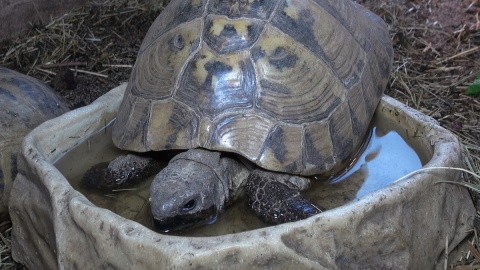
386 158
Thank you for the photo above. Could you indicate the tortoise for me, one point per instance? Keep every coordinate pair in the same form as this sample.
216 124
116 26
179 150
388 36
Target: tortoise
25 103
262 93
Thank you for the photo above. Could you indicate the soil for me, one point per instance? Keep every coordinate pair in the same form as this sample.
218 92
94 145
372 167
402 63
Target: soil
437 54
85 53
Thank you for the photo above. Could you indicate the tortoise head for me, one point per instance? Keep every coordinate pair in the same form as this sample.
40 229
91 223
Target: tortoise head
187 192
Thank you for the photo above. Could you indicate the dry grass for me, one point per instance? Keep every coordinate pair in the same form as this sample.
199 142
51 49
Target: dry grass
433 68
5 246
434 62
437 56
98 44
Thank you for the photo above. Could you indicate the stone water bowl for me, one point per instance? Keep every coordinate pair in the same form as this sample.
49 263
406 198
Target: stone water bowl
404 225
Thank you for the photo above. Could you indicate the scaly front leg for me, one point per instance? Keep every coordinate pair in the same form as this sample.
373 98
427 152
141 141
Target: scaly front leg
276 198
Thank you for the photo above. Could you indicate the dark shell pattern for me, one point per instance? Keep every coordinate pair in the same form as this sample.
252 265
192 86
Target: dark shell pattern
289 84
25 102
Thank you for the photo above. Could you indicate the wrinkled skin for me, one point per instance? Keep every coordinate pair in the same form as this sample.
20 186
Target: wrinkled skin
276 198
196 186
122 172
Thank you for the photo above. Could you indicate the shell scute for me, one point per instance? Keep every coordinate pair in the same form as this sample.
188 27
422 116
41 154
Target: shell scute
341 132
171 126
277 152
134 122
214 84
174 14
358 112
243 133
226 36
162 62
295 86
290 84
317 147
260 9
325 35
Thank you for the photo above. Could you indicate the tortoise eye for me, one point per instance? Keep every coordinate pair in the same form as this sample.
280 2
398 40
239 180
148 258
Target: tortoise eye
189 205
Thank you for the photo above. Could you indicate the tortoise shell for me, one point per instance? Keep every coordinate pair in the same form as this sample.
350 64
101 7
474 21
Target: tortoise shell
25 103
289 84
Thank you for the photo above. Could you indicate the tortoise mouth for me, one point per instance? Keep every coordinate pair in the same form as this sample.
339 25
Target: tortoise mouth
181 222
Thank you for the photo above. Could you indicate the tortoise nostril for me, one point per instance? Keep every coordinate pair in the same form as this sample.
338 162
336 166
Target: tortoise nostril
189 205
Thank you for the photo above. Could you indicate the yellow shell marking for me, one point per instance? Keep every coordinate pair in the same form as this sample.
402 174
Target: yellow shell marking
241 26
200 72
311 84
291 12
160 128
233 60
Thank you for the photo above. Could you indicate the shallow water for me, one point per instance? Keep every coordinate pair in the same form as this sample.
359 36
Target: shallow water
386 158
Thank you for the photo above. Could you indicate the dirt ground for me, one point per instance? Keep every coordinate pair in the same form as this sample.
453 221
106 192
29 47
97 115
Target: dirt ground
86 52
437 55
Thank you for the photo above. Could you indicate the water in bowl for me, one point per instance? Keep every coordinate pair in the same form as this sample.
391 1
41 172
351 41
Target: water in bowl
386 158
